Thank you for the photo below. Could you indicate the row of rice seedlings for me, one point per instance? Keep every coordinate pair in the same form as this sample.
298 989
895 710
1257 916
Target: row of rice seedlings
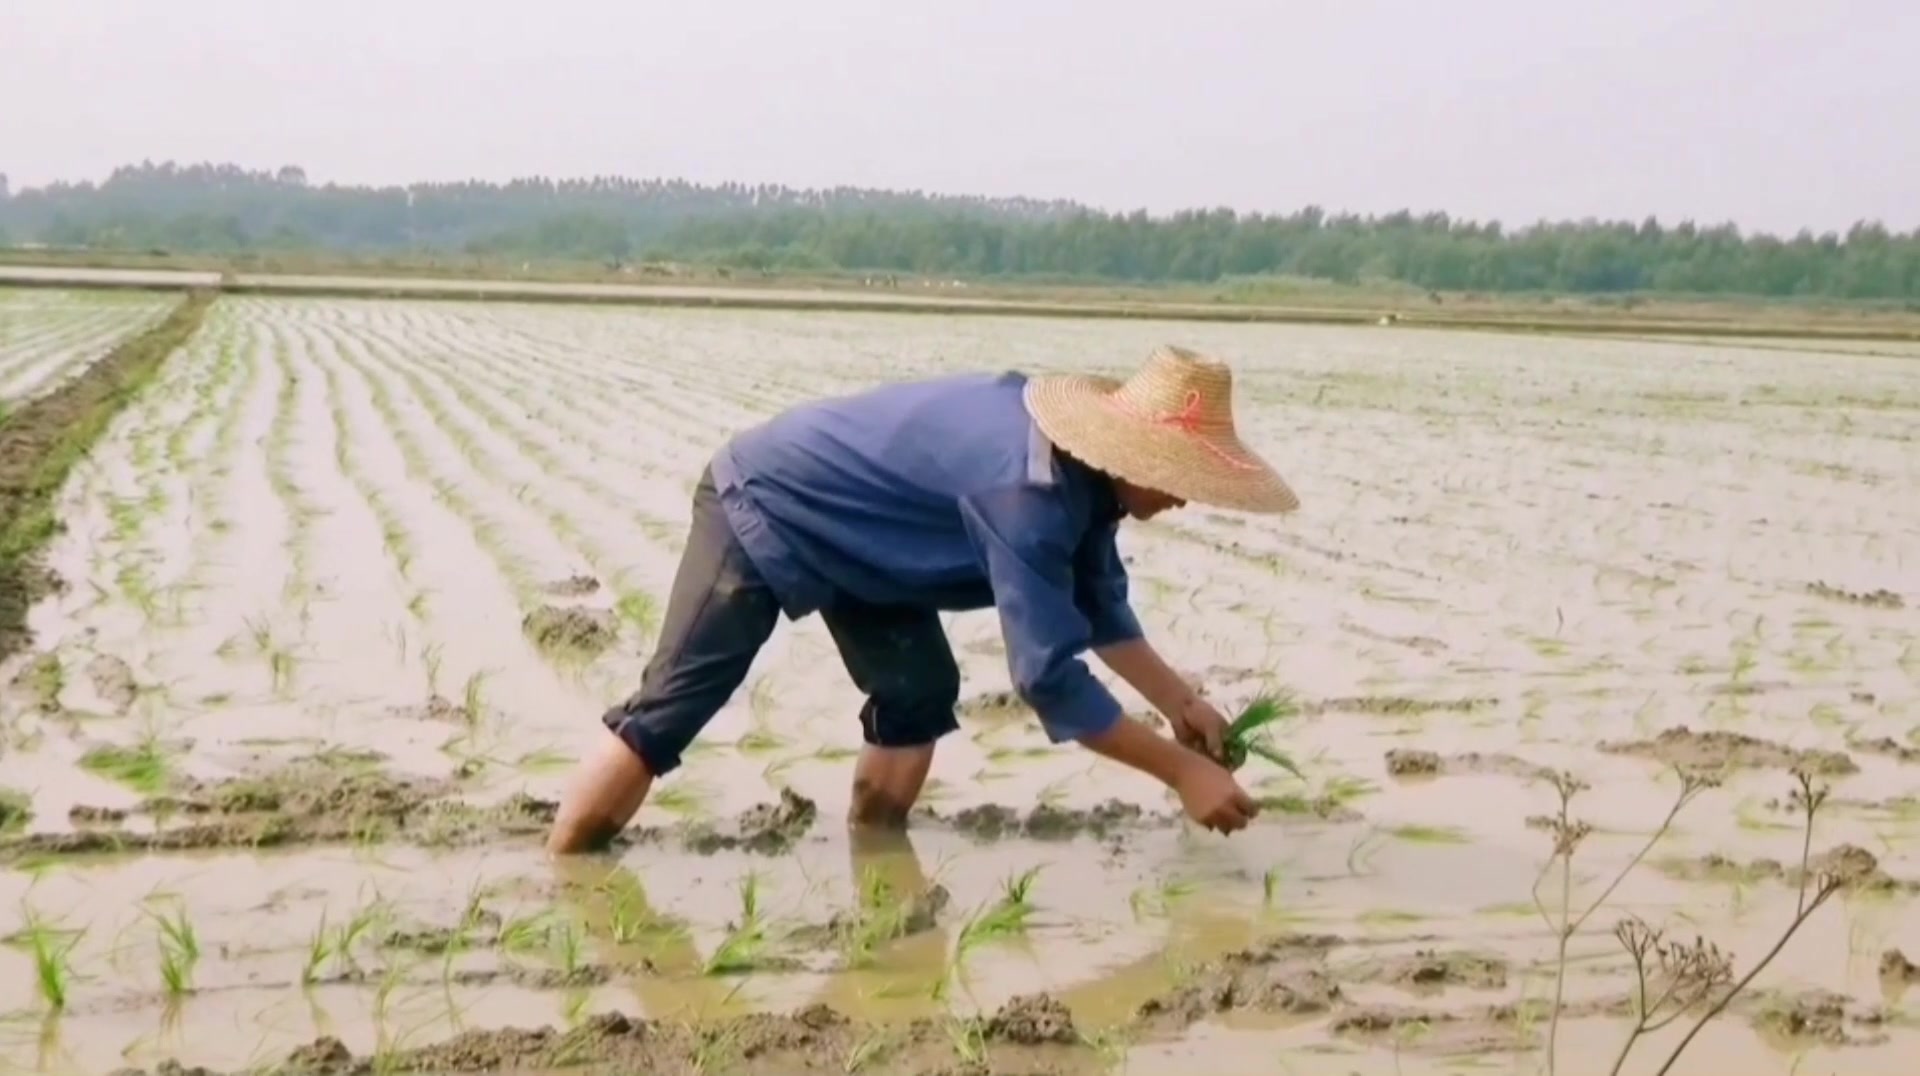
486 532
280 464
572 414
397 539
566 530
633 604
570 427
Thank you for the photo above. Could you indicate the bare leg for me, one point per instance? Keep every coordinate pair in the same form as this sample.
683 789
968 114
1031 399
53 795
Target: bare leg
608 788
886 784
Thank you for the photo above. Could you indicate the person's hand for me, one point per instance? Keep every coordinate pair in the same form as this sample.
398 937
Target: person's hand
1201 727
1213 798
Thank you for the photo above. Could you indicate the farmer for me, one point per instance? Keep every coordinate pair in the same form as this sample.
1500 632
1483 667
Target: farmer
881 509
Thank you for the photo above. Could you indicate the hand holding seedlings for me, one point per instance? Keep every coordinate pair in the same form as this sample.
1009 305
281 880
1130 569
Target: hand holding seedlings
1198 725
1213 798
1246 736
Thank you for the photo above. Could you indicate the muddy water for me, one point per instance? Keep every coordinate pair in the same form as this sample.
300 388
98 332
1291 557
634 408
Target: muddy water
1516 554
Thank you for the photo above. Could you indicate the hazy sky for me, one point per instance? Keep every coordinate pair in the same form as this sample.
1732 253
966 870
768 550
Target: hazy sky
1776 114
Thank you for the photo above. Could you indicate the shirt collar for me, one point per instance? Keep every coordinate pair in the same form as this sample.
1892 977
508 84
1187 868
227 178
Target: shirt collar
1045 462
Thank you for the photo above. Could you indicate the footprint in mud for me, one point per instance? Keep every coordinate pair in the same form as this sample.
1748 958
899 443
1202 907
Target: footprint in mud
1717 750
571 630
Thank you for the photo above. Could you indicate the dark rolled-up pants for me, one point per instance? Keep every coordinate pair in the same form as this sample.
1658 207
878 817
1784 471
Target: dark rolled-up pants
721 612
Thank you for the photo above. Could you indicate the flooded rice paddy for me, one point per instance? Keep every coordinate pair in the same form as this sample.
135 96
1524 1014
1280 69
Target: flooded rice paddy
47 337
348 587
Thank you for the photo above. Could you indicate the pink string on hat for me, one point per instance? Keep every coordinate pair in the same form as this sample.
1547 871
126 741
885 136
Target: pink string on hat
1186 420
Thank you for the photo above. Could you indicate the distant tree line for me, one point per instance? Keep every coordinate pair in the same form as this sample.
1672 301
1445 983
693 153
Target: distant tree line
224 208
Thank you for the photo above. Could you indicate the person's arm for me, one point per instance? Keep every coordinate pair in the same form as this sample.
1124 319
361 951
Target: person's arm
1025 542
1100 588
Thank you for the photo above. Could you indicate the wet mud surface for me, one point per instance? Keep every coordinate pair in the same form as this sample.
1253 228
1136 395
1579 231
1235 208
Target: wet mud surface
348 592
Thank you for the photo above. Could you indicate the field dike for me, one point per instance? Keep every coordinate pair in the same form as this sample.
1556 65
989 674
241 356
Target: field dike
40 443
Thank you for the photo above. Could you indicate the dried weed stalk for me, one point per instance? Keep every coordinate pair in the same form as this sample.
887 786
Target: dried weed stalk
1672 978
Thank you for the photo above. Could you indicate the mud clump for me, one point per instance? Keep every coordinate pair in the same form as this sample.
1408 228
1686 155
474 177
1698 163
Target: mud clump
1887 747
1409 762
1044 822
1872 599
1717 750
1033 1020
1031 1033
767 828
574 586
558 630
1848 866
995 706
1896 968
437 708
1406 762
1827 1018
1430 972
113 681
1287 975
310 801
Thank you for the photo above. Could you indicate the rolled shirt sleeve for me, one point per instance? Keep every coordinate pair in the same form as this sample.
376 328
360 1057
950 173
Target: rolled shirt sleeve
1100 589
1027 545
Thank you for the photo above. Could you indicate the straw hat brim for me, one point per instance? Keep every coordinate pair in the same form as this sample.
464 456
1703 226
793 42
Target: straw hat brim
1075 413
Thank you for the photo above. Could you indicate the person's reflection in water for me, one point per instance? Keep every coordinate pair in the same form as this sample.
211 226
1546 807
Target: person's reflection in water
893 942
651 952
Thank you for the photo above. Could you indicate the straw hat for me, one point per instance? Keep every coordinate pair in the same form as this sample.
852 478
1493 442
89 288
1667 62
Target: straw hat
1169 428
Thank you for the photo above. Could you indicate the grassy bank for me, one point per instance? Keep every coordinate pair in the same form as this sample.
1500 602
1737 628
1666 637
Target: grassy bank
42 439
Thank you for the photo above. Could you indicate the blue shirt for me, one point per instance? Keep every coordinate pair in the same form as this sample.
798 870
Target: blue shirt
941 493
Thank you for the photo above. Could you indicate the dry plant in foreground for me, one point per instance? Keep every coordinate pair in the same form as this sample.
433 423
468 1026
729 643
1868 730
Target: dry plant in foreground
1672 979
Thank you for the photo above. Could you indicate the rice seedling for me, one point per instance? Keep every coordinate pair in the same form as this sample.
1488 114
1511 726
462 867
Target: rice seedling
1247 734
52 954
179 951
744 948
474 698
145 766
1416 833
528 933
